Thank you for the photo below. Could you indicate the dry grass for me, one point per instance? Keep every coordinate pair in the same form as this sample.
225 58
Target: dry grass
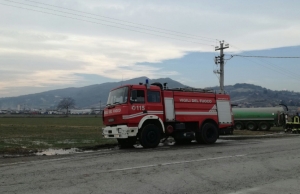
26 135
23 135
247 132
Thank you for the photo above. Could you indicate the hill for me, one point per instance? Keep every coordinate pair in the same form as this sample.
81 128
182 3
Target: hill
249 95
242 94
85 97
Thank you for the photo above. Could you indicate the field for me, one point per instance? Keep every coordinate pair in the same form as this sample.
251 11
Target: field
26 135
23 135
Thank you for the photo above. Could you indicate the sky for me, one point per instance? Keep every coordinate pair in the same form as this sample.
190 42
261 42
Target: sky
53 44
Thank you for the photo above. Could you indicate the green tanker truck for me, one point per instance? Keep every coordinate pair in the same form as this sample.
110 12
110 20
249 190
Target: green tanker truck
258 118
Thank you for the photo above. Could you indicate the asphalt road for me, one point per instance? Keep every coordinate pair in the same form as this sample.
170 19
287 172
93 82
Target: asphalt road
229 166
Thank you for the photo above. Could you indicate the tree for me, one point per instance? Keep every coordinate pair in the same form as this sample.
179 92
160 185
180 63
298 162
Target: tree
66 103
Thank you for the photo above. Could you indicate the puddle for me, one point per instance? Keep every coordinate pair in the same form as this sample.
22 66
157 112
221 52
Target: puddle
51 152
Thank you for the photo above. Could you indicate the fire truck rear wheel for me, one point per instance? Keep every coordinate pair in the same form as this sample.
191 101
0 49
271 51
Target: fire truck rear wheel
127 143
150 136
208 134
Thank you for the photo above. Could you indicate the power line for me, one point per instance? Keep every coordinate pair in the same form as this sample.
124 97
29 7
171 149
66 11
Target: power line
266 57
122 20
118 23
282 70
105 24
279 69
271 67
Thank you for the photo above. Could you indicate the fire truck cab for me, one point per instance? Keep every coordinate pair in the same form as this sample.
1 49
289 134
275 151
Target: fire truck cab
149 113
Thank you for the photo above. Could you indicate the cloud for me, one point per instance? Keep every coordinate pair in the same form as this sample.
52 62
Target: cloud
44 50
41 59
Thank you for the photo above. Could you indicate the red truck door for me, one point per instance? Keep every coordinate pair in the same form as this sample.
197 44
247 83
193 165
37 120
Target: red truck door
154 103
137 105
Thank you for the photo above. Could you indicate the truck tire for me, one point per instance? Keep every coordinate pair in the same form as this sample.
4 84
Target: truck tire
150 136
208 134
263 126
127 143
251 126
238 125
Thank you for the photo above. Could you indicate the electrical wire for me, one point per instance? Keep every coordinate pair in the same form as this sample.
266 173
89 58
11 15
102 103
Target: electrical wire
106 24
122 20
266 57
270 66
105 20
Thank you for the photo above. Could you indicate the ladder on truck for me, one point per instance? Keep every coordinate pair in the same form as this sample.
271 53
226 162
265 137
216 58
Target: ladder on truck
188 89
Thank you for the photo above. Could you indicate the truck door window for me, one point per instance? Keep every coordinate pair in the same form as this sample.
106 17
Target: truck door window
153 96
140 96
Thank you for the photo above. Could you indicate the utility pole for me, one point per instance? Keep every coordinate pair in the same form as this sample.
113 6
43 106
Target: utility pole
220 60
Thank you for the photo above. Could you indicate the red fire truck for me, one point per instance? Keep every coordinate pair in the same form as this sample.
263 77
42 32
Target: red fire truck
149 113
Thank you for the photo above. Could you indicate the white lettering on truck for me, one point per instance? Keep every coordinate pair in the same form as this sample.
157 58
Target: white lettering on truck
138 107
112 111
205 101
195 100
117 110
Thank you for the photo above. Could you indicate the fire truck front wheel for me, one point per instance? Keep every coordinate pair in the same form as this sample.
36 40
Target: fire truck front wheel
208 134
150 136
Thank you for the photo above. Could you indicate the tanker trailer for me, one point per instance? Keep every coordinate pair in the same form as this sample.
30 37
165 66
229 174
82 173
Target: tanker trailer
258 118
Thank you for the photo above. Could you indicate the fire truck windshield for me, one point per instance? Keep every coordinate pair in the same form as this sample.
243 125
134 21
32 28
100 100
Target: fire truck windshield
118 96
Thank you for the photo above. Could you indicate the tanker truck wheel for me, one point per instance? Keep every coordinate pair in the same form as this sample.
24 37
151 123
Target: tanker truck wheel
263 126
150 136
208 134
251 126
238 126
127 143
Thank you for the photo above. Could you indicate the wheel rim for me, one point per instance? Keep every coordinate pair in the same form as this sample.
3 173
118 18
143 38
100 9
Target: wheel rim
264 127
251 126
151 136
210 133
238 126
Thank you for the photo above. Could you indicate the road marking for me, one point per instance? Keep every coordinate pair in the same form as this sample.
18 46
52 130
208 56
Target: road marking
172 163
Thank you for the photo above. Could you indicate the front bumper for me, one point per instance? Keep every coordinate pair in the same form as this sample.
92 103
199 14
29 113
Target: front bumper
119 131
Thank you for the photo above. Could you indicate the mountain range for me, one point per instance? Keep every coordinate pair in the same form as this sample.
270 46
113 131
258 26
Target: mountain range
85 97
242 94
